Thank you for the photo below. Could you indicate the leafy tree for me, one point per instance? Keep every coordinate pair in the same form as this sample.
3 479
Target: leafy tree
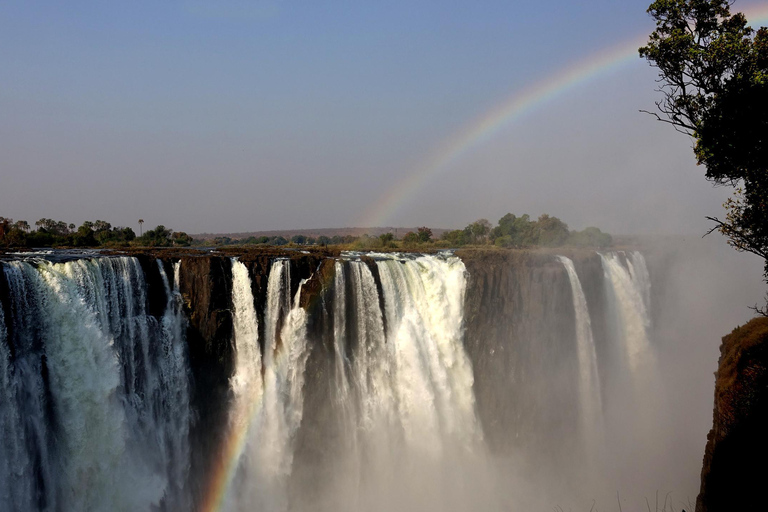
424 234
299 239
180 238
387 240
158 237
410 238
84 236
552 232
480 229
590 237
457 237
713 71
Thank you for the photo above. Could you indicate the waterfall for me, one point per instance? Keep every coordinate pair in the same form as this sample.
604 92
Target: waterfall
424 301
97 405
626 277
174 393
90 373
31 470
410 427
16 471
589 379
268 389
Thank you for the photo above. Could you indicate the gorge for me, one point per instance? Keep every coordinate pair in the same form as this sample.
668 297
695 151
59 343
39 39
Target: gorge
318 380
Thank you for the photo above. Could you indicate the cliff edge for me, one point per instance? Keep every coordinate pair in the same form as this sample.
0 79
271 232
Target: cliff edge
736 458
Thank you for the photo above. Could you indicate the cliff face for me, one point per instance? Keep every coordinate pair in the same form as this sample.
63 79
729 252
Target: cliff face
734 471
205 286
520 337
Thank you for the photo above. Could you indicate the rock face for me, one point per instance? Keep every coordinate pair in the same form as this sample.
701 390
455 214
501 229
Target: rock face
520 337
205 284
734 473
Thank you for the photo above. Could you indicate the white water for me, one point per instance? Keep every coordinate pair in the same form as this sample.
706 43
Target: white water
629 286
119 404
411 435
15 465
402 386
268 390
589 377
174 394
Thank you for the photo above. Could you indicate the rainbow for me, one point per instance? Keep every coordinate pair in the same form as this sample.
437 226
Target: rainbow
482 129
510 110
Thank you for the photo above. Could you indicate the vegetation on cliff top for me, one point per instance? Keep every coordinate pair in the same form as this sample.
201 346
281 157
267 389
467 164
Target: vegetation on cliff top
511 231
52 233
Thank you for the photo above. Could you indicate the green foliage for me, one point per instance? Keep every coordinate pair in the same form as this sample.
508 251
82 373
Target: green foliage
158 237
590 237
411 238
551 231
181 239
52 233
713 70
424 234
513 231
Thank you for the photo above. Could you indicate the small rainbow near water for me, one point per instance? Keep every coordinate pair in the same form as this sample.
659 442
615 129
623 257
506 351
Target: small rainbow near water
510 110
522 102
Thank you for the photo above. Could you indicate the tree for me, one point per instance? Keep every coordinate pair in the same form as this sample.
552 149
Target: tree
424 234
410 238
387 240
141 225
479 230
552 232
713 75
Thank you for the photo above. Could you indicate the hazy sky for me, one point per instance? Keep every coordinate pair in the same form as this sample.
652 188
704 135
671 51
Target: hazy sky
240 115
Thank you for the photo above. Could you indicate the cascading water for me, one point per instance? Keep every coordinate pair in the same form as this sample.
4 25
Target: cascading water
589 378
268 389
174 395
405 390
629 287
91 377
97 406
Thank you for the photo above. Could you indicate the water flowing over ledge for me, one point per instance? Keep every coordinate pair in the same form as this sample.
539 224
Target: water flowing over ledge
307 382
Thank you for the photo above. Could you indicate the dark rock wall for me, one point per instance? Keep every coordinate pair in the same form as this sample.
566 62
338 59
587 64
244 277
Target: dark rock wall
735 469
520 337
206 286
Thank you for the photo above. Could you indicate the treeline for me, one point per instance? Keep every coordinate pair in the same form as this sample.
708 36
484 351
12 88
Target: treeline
512 231
280 240
52 233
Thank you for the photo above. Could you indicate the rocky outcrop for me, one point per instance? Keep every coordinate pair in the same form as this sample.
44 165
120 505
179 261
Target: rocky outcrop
734 472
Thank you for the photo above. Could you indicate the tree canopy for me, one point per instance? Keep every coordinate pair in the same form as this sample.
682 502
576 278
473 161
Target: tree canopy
713 76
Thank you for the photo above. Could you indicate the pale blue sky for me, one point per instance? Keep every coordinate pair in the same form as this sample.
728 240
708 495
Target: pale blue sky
249 115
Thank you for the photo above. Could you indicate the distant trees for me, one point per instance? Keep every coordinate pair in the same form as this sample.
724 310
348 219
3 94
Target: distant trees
513 231
158 237
53 233
424 234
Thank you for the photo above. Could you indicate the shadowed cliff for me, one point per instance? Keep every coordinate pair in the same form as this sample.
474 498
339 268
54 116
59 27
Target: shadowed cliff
733 475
